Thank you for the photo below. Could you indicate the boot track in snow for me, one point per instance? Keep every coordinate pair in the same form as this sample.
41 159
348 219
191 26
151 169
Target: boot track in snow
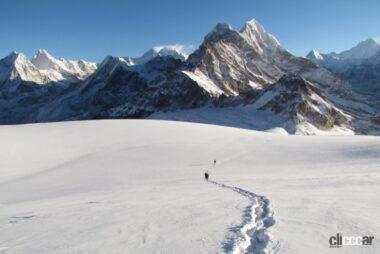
253 235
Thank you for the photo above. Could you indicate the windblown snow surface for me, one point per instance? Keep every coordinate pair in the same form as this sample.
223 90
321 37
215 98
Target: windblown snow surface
136 186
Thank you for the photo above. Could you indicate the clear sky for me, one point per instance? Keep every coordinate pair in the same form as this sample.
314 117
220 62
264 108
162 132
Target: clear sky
92 29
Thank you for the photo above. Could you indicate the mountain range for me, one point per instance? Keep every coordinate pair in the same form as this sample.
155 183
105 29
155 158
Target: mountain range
359 65
230 71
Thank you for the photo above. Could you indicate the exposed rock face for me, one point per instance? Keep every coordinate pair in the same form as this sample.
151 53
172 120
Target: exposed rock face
301 101
117 90
231 62
156 86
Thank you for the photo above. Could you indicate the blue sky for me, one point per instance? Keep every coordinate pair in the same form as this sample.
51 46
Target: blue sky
93 29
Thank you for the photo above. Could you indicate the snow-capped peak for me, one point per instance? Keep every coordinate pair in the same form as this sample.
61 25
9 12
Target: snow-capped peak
362 50
222 28
219 31
62 69
371 42
257 36
253 24
16 66
252 32
14 59
314 55
177 51
43 60
173 47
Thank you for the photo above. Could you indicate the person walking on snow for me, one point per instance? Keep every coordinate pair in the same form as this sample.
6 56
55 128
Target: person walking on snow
207 173
206 176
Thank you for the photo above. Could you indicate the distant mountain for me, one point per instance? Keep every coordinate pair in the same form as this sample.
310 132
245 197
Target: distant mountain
43 68
118 90
230 69
62 69
358 65
175 51
364 49
17 67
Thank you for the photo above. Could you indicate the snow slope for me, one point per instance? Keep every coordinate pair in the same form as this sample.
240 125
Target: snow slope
249 117
136 186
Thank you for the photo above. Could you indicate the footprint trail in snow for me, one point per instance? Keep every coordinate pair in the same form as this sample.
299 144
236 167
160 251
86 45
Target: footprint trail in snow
253 235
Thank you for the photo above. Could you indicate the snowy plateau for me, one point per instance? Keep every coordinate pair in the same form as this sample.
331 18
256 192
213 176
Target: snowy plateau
111 157
137 186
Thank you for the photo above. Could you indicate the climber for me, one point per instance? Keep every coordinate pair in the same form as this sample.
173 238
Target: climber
206 176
